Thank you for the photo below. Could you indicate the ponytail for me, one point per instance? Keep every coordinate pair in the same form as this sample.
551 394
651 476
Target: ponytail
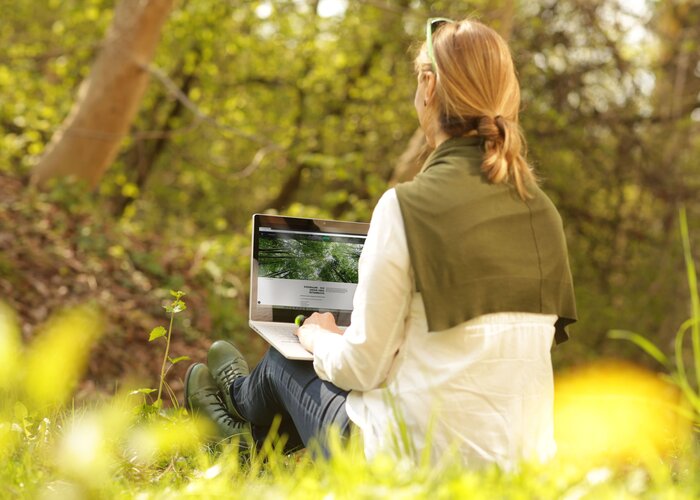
503 159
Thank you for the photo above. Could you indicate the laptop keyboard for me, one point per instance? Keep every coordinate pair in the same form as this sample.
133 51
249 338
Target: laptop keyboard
281 327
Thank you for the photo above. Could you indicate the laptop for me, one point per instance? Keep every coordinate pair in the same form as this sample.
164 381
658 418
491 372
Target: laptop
301 266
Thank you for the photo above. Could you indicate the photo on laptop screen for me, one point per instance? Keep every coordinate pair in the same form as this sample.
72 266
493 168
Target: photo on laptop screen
306 270
301 266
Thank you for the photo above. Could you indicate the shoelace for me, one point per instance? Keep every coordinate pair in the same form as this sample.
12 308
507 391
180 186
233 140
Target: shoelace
229 373
218 408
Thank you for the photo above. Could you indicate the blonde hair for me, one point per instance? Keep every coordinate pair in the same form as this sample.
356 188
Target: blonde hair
478 93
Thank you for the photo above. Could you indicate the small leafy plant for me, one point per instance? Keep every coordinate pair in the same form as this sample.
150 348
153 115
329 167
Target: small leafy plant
176 306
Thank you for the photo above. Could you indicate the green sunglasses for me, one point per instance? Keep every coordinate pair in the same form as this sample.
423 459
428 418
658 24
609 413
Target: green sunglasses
433 24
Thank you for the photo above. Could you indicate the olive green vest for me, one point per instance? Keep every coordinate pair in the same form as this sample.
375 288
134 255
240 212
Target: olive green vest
478 248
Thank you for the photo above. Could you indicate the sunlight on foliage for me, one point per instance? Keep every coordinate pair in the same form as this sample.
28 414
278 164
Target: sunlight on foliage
83 451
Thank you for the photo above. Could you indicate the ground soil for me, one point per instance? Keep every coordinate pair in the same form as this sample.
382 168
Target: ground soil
52 258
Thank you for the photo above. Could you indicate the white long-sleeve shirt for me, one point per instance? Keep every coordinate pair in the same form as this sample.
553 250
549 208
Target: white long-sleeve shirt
482 389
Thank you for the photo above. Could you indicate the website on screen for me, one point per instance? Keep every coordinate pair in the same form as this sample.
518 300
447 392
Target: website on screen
305 270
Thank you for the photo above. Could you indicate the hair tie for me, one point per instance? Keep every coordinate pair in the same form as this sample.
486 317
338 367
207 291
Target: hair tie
501 125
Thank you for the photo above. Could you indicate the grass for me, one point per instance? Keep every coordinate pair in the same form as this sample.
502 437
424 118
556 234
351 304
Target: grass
620 437
113 452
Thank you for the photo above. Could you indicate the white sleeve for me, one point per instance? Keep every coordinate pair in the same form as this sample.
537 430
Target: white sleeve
360 359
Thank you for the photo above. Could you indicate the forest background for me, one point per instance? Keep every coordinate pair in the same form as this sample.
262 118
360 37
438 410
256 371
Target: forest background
304 107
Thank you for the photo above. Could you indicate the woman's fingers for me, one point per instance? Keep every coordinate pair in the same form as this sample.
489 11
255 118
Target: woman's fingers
324 320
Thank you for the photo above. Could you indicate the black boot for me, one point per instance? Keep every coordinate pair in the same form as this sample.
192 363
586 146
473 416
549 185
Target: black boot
226 364
202 396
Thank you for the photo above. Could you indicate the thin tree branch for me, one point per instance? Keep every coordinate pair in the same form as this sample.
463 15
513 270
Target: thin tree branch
212 168
255 162
199 114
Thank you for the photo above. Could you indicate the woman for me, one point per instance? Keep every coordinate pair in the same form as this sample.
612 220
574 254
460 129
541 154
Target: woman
463 284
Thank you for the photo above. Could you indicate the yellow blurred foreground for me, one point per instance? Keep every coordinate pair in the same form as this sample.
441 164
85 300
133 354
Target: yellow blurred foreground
47 372
608 413
616 412
92 443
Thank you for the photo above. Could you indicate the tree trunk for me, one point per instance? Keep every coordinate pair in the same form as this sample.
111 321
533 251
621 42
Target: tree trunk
88 140
143 155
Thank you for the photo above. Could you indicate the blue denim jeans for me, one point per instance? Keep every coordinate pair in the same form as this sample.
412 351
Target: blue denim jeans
307 405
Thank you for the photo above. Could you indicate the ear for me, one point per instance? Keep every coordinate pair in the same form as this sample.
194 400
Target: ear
430 82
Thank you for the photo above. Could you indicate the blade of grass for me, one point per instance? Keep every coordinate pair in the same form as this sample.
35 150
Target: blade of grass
680 364
171 394
640 341
694 297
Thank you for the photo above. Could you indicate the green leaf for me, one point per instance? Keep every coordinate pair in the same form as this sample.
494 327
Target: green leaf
178 359
178 306
156 333
158 404
640 341
177 294
143 390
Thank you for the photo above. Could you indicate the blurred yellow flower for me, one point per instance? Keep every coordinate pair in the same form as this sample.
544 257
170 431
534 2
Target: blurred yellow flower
58 356
10 346
148 443
615 411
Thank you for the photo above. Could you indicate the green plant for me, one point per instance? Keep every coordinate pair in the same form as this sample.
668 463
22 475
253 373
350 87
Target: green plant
677 365
175 307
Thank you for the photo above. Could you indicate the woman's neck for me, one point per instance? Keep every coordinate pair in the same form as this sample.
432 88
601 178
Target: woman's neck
440 137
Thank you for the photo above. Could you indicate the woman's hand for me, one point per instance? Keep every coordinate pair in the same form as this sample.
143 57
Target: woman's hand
326 321
314 325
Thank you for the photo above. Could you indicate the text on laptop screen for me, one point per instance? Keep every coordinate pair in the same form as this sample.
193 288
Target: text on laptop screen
307 270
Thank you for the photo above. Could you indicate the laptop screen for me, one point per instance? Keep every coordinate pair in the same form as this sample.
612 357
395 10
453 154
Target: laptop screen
304 265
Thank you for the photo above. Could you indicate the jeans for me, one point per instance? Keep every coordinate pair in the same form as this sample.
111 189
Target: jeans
307 405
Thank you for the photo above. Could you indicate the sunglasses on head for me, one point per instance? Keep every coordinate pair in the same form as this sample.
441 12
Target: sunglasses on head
431 26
